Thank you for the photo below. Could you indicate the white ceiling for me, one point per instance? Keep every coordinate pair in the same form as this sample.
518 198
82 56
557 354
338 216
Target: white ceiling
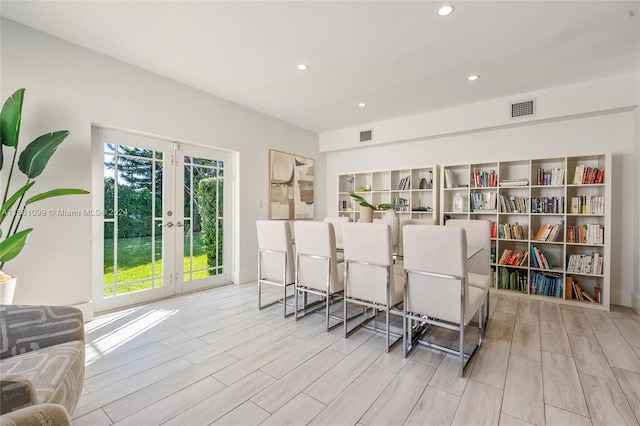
398 57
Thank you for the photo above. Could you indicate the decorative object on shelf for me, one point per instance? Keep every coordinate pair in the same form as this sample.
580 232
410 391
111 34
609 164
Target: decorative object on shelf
366 208
7 288
31 162
291 180
391 218
424 184
458 203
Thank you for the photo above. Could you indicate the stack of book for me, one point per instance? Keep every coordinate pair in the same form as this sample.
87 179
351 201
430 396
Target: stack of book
512 279
448 179
405 183
546 284
483 201
515 182
547 205
514 257
587 204
574 290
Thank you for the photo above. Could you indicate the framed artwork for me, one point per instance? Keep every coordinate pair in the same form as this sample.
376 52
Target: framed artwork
291 186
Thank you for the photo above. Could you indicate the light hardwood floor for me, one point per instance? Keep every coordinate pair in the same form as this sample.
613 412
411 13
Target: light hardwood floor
213 358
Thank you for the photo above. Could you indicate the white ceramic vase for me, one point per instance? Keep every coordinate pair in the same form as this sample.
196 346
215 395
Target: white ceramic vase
7 289
391 218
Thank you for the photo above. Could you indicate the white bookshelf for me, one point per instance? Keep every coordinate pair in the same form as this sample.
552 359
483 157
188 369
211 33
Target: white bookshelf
517 182
386 186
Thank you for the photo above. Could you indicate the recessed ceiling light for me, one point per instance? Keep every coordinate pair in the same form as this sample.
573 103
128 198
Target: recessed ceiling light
303 67
473 77
362 105
445 10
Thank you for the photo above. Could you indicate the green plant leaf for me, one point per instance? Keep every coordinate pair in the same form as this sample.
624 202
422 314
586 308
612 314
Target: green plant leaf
1 156
10 119
360 200
36 155
13 245
55 193
12 200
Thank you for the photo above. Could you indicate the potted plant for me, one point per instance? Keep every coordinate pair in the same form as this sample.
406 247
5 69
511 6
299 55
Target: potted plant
366 208
31 162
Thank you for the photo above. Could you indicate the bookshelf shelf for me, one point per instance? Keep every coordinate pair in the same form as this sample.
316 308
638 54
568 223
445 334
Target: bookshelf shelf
570 195
389 186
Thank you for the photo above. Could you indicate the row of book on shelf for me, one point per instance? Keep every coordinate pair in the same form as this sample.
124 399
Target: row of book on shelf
483 200
484 179
590 233
588 175
547 205
546 284
587 204
585 264
549 232
511 231
513 204
552 177
405 183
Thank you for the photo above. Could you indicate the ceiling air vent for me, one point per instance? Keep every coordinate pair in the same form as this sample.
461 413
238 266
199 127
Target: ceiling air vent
523 109
366 136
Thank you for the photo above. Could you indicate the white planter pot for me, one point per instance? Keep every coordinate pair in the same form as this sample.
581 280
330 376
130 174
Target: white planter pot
366 214
7 288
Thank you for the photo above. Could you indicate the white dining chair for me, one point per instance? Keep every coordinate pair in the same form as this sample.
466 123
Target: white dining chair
369 280
436 289
275 259
479 266
317 269
337 222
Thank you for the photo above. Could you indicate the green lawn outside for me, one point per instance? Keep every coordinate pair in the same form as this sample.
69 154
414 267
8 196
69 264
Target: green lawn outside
134 263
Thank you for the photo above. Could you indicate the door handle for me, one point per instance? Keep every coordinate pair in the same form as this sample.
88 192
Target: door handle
178 224
169 224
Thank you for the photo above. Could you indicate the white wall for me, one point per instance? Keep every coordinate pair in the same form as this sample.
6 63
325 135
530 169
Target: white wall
565 132
69 87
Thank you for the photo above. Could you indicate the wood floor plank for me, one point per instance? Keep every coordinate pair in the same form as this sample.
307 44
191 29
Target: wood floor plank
447 378
396 402
630 384
606 401
501 327
523 391
508 305
600 321
557 416
480 405
255 361
576 323
334 381
165 409
212 408
550 312
554 338
618 352
589 357
435 407
285 389
630 329
507 420
148 395
562 387
356 398
94 418
526 341
246 414
299 411
528 312
491 363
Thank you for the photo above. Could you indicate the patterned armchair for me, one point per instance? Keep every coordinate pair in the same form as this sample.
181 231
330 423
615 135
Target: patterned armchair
41 364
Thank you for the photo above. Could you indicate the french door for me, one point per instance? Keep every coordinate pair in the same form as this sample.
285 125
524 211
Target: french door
163 227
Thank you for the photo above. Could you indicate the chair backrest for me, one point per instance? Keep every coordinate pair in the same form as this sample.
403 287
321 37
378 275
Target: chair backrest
441 250
337 222
275 235
368 242
478 235
404 222
317 239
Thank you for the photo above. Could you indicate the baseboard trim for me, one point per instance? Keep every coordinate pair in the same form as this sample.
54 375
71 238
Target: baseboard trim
87 310
635 302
